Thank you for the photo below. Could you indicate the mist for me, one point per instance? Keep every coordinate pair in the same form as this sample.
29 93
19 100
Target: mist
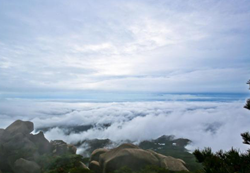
206 123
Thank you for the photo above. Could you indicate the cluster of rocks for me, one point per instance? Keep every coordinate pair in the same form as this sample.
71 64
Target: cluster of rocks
133 157
20 150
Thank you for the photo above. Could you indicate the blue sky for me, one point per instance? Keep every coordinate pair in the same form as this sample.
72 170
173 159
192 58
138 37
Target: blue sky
171 46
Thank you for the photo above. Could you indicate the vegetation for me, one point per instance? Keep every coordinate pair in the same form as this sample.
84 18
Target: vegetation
247 106
150 169
225 162
62 164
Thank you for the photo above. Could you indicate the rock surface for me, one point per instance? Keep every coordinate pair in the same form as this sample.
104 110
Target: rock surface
132 157
41 142
25 166
20 151
95 166
96 154
83 166
60 147
24 127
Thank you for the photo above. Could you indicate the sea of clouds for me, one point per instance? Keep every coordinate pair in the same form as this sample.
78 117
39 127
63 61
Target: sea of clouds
208 124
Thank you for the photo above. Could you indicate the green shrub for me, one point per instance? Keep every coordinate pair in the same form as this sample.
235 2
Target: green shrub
150 169
63 164
231 161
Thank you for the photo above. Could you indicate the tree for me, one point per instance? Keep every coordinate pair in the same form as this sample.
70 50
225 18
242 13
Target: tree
232 161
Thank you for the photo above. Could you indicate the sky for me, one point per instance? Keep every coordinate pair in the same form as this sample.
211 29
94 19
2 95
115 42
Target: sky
54 48
148 68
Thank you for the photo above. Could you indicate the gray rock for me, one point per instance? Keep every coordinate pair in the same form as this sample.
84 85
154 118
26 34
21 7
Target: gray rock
19 149
95 166
1 132
25 166
83 165
95 155
24 127
41 143
134 158
169 162
60 147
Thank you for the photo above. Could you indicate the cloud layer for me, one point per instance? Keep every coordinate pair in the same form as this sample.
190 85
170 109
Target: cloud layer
207 124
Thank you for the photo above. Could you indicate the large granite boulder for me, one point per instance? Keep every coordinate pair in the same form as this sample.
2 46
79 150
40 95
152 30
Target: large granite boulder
25 166
169 162
95 166
41 143
20 151
95 155
14 144
1 132
24 127
82 165
134 158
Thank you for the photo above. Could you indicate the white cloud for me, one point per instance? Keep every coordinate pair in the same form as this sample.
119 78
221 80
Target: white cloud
207 124
152 40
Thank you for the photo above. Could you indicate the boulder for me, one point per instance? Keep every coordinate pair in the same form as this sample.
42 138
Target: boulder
95 166
169 162
25 166
132 157
95 155
19 149
18 142
24 127
60 147
83 165
41 143
1 132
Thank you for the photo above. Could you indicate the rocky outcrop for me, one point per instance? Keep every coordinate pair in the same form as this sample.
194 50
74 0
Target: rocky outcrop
95 166
25 166
169 162
96 154
20 150
82 165
132 157
42 144
24 127
15 143
1 132
60 147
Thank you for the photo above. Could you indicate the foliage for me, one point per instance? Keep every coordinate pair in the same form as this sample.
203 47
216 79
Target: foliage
231 161
150 169
247 106
62 164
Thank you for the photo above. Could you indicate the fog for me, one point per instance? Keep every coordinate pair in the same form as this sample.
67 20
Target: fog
207 124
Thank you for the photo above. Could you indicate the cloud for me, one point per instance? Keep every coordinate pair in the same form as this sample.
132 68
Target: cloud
162 45
207 124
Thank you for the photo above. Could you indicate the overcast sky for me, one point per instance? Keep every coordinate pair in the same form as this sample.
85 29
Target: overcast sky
54 46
